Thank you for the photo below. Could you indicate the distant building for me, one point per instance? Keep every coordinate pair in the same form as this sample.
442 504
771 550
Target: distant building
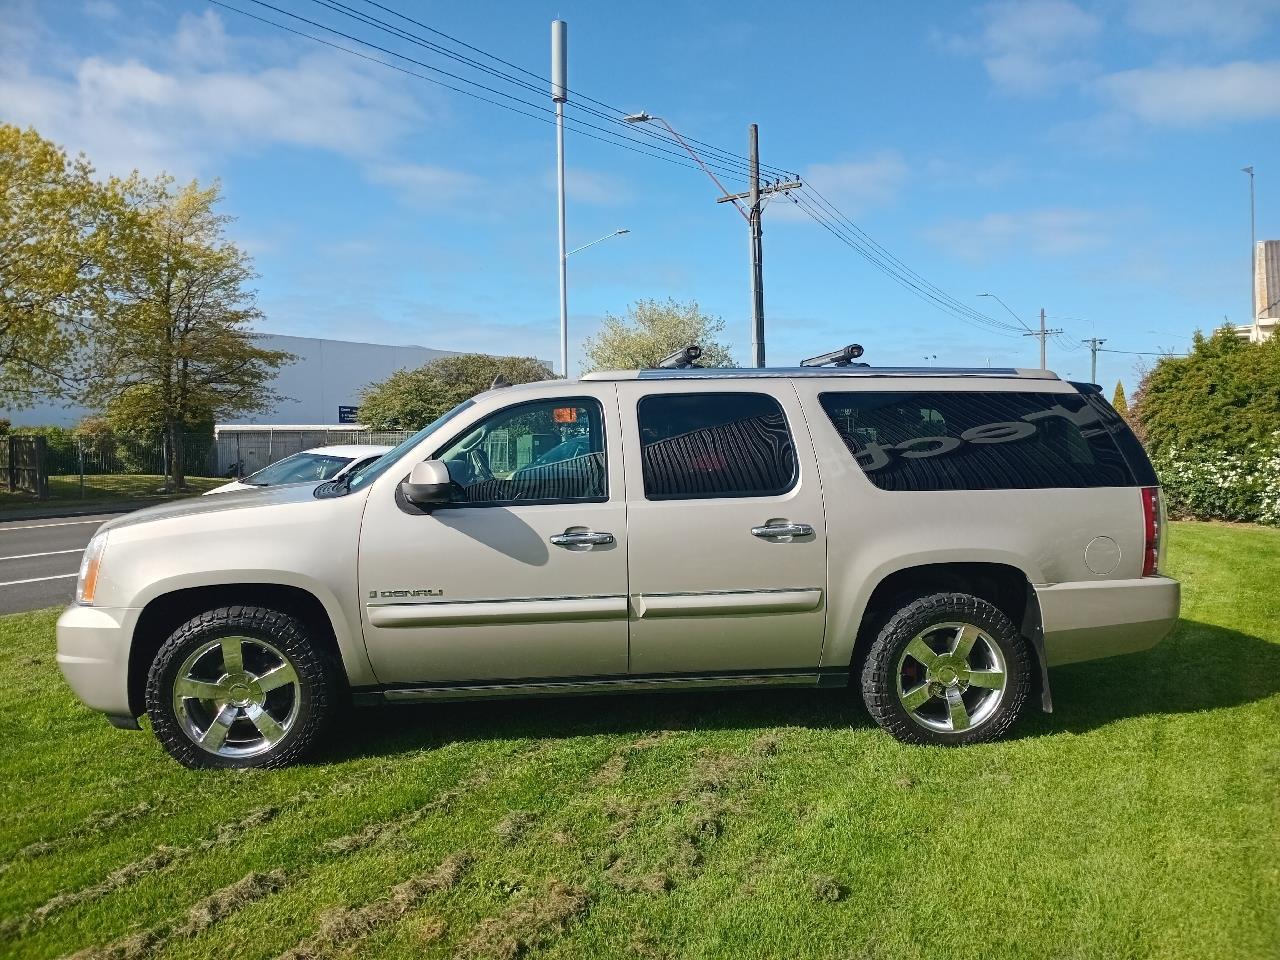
1266 287
321 387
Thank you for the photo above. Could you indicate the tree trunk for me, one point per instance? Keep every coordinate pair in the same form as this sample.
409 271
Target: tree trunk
177 469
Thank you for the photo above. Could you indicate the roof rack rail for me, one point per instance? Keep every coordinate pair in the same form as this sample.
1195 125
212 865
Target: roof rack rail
686 358
843 357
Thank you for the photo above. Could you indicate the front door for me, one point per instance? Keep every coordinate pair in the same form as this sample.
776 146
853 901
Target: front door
727 542
524 575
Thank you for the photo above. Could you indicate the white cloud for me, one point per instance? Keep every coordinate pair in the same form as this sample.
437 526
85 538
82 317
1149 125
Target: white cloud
102 9
190 104
852 185
1031 46
1049 232
1182 96
1224 22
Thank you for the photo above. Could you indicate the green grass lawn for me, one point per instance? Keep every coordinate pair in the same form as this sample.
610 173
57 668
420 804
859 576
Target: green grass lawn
1142 819
65 490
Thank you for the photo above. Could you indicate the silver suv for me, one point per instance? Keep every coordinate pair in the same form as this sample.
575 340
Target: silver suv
937 538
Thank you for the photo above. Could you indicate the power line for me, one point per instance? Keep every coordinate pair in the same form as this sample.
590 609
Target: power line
914 286
738 164
821 210
575 95
636 144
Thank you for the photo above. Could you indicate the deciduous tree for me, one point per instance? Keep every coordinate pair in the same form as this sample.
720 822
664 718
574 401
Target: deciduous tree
58 243
410 399
177 350
651 330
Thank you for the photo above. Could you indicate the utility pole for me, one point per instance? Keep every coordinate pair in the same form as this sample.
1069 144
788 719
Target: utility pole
1094 346
1043 335
559 94
755 198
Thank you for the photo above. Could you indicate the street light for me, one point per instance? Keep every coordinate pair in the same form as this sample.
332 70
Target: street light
564 315
607 236
643 117
1006 306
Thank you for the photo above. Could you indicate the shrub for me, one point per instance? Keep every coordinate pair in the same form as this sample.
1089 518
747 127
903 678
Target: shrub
1212 485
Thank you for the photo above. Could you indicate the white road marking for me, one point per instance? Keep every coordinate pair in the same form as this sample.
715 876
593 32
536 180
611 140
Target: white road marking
37 526
47 553
60 576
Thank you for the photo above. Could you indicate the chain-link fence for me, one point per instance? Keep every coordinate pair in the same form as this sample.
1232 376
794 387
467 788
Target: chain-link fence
239 452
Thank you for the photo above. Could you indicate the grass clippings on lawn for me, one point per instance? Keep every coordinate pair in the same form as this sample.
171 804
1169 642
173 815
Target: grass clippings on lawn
1139 820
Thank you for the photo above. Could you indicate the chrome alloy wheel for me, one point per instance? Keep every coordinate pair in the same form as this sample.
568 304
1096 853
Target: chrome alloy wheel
951 677
236 697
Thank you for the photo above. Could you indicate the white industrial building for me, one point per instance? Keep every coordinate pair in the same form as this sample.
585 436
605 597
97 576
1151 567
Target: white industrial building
321 387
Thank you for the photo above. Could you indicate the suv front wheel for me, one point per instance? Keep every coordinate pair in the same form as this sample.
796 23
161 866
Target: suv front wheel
946 669
239 687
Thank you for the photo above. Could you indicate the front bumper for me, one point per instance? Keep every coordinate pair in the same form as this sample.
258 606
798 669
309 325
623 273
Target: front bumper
93 655
1087 621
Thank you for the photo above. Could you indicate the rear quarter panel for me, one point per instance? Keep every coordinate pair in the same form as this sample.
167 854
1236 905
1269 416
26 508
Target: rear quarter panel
872 533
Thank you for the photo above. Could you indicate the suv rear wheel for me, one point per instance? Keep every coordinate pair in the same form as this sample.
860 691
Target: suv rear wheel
946 669
239 687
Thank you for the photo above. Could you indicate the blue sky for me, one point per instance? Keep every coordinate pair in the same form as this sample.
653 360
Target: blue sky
1084 157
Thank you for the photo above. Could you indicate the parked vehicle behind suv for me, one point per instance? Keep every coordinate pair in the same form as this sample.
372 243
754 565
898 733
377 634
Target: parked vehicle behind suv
936 538
308 466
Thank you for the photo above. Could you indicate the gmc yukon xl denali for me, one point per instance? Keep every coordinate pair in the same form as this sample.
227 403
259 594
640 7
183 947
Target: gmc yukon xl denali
936 538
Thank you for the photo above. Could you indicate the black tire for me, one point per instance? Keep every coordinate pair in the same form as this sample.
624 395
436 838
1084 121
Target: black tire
311 695
886 661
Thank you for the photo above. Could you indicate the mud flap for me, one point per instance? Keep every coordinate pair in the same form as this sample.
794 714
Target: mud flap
1033 630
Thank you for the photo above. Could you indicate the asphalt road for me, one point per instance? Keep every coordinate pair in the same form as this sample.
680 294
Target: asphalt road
39 560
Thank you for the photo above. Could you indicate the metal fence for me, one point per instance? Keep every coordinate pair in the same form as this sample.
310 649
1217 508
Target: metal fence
65 466
238 453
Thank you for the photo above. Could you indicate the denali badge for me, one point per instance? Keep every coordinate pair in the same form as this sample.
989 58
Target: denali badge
384 594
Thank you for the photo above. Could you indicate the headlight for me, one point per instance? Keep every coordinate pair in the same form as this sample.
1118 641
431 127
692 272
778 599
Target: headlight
90 565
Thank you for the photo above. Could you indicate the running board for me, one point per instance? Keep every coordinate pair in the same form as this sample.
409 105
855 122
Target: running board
560 688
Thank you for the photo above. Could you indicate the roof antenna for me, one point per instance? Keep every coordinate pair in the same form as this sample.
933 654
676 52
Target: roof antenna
686 358
843 357
499 382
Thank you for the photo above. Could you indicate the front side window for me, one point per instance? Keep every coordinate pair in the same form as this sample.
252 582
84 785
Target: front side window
703 445
546 451
971 440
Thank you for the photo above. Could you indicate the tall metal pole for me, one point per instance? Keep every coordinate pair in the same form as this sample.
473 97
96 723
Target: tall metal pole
757 250
1253 251
560 93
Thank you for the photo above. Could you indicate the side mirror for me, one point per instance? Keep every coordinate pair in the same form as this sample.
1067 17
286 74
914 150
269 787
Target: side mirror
428 485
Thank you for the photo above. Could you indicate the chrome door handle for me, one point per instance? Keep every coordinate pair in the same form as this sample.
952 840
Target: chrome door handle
780 531
584 538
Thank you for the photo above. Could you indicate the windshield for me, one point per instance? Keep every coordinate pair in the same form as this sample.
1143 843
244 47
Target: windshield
370 472
299 468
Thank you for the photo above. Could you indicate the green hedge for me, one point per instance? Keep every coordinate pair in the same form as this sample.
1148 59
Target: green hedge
1213 485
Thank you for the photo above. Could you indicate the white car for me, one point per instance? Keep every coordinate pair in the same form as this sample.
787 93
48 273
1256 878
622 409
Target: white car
308 466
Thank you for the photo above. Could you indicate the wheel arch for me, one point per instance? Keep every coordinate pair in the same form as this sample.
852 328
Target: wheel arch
167 611
1003 585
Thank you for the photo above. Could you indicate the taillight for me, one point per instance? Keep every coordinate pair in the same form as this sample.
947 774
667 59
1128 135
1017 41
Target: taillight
1150 531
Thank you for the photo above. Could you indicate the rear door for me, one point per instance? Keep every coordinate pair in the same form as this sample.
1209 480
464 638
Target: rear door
726 535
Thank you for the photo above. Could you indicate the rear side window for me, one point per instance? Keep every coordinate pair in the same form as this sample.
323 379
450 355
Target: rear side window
978 441
703 445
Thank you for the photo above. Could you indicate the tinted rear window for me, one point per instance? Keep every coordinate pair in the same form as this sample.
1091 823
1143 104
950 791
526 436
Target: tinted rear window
703 445
978 441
